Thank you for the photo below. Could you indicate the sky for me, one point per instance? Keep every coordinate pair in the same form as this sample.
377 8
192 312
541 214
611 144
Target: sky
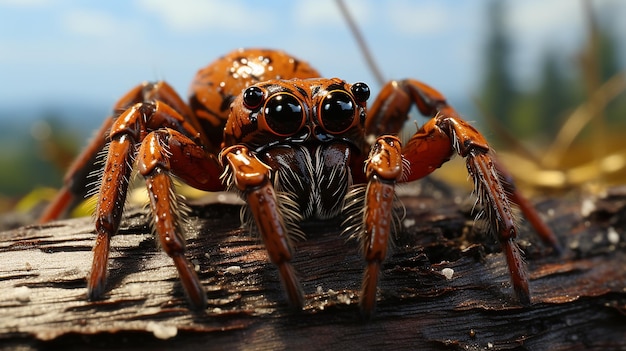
59 52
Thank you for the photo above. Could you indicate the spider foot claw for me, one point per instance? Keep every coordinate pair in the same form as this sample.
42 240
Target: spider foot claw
194 291
96 286
291 285
367 301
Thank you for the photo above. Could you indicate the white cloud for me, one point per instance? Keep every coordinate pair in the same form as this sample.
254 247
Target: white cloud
423 17
92 23
194 15
558 25
327 13
541 19
540 25
25 3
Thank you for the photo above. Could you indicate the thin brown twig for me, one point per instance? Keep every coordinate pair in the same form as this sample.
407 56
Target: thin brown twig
369 58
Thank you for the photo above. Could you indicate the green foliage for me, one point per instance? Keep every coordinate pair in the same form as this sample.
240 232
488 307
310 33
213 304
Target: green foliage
498 87
35 155
538 113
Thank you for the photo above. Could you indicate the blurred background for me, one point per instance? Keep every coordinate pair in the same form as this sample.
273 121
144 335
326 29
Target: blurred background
543 79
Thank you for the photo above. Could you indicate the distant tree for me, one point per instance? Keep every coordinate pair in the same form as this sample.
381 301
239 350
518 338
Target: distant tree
554 95
607 64
498 88
609 58
540 112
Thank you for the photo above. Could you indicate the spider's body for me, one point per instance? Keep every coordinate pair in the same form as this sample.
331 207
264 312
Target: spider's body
294 146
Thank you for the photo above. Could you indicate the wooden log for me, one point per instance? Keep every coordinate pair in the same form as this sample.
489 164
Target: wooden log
578 299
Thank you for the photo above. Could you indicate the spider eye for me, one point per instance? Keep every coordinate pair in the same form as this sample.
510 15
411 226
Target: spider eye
284 114
337 111
253 97
361 92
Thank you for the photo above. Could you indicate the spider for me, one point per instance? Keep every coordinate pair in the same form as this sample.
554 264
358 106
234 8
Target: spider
294 146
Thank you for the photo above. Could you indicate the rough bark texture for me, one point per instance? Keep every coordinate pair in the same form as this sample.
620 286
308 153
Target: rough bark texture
579 299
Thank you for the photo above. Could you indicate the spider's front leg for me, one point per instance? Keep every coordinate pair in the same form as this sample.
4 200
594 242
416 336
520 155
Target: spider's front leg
383 169
168 151
388 114
252 178
163 150
76 181
435 142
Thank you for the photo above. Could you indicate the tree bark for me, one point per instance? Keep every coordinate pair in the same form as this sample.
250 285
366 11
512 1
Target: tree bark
578 298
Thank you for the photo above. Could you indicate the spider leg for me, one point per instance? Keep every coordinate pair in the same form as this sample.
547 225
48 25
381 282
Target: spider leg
388 114
529 211
156 159
75 183
448 133
435 143
111 200
129 129
383 169
493 196
252 178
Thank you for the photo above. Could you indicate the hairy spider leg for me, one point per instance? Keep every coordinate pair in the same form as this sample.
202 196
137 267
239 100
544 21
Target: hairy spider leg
162 152
383 169
388 114
151 125
434 144
252 178
77 180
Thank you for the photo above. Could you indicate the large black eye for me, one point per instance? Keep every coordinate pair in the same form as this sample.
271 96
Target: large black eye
361 91
253 97
337 111
283 114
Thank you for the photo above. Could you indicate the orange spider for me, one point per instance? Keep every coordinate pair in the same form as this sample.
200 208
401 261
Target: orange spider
294 146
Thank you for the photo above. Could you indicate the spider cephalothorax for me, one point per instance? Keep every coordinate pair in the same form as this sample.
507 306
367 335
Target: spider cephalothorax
309 132
294 146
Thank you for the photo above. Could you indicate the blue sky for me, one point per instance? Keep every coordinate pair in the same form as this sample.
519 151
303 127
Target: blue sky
52 52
